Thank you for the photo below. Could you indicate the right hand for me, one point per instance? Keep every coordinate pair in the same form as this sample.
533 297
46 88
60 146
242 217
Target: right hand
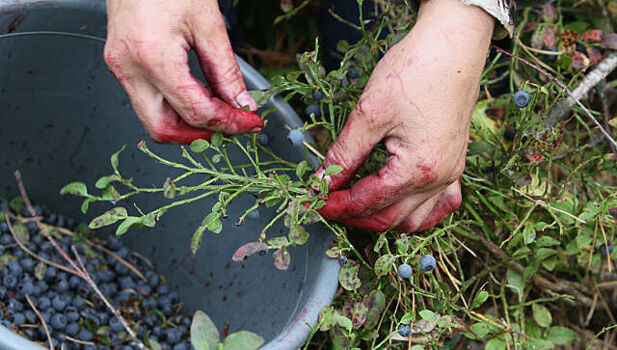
147 50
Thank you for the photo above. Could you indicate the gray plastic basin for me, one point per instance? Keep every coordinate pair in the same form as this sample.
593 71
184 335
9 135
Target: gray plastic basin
62 114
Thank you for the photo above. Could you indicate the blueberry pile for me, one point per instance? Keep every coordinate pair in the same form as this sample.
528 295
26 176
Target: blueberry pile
75 316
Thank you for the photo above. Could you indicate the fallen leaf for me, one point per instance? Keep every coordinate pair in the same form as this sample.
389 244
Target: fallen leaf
592 36
248 249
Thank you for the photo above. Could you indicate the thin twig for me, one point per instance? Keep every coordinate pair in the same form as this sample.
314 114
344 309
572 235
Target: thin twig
82 271
601 70
36 311
83 342
24 248
546 205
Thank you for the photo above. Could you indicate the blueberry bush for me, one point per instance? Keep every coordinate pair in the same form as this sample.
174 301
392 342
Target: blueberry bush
526 262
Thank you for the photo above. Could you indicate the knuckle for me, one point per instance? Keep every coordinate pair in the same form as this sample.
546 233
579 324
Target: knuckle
455 201
113 57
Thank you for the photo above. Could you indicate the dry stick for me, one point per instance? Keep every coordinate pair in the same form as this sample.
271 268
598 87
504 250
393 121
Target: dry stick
562 286
105 250
83 342
608 255
83 272
604 68
51 343
606 113
24 248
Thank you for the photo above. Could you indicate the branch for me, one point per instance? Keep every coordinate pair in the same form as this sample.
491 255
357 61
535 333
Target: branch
593 78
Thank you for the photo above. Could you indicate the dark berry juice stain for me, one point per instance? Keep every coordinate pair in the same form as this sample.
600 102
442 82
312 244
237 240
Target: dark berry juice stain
15 23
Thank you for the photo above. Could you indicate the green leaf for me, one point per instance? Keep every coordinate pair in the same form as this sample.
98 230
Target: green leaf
376 301
154 345
428 315
196 239
348 276
344 322
479 299
333 169
544 253
301 169
39 270
204 334
480 329
243 340
216 158
102 182
476 147
278 242
383 264
17 204
282 259
217 140
85 205
127 223
495 344
108 218
75 188
260 97
547 241
169 189
298 235
541 315
515 281
199 145
114 160
560 335
21 232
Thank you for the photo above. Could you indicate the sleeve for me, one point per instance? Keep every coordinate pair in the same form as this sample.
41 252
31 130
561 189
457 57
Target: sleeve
500 9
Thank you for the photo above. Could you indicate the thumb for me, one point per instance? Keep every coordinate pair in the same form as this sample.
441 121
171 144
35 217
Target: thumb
218 62
350 150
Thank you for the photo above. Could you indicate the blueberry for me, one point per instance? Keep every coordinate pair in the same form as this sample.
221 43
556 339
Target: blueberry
405 271
296 137
78 302
14 268
123 252
427 263
603 250
127 283
6 238
27 264
58 322
354 74
551 58
72 329
254 214
6 324
114 243
157 331
149 303
173 336
121 269
72 316
263 139
521 99
9 281
62 286
44 303
32 227
173 296
342 261
19 318
164 301
15 306
162 290
153 278
318 95
43 286
85 335
115 325
58 303
404 330
74 282
50 273
103 317
25 288
144 288
313 109
168 310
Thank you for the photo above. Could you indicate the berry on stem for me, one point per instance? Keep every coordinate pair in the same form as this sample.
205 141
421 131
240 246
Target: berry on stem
606 252
404 330
427 263
521 99
404 271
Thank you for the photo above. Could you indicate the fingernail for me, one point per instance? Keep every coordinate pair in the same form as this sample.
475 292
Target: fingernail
320 174
245 99
256 129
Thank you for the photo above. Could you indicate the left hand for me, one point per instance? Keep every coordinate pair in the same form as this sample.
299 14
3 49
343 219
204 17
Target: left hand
419 101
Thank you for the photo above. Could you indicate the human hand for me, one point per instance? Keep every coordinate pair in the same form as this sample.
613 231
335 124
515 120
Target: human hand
147 50
419 101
